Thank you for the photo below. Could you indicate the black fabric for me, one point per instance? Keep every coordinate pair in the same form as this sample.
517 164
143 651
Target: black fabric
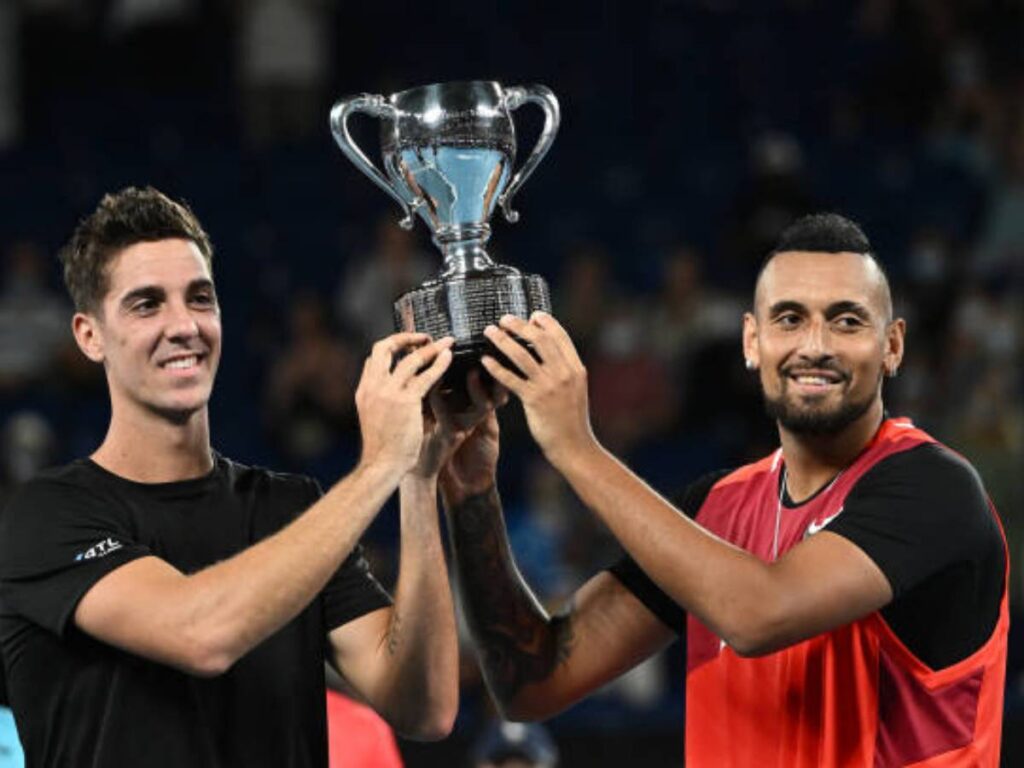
80 702
636 581
922 516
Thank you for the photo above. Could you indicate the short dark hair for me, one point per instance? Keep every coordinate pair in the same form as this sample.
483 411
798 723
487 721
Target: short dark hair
122 219
823 233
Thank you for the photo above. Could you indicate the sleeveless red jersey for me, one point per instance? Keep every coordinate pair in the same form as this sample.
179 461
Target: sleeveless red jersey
852 697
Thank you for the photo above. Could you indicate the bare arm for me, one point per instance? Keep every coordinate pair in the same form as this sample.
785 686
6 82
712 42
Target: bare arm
404 660
756 607
203 622
535 664
413 647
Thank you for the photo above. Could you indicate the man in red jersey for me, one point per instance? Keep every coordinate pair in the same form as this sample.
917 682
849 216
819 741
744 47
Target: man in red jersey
843 600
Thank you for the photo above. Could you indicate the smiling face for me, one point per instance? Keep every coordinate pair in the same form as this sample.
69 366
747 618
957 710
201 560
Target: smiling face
158 331
822 336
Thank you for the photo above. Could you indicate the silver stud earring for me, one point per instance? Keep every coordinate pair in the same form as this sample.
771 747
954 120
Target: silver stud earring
751 365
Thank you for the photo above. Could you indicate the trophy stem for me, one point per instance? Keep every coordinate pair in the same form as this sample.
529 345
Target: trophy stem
463 249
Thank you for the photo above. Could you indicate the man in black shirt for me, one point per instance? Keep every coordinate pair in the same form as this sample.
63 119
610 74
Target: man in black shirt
163 605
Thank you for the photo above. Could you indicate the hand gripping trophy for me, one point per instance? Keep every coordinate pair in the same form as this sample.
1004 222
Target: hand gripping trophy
448 151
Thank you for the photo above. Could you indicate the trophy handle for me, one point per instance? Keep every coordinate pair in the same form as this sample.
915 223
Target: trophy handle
545 99
373 105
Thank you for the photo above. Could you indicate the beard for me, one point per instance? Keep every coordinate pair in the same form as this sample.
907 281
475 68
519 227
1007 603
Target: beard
812 420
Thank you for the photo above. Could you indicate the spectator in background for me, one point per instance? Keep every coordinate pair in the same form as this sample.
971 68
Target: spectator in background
777 192
688 315
630 389
514 745
394 265
11 753
964 125
310 397
148 34
1000 250
554 539
10 53
586 297
28 444
357 737
33 319
283 69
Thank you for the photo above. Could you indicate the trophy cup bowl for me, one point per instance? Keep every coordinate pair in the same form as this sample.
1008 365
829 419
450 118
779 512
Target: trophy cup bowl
448 152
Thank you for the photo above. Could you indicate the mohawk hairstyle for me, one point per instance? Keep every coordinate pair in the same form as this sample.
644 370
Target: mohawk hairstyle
823 233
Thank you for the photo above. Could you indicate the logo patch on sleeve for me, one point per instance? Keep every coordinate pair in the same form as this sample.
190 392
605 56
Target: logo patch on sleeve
102 549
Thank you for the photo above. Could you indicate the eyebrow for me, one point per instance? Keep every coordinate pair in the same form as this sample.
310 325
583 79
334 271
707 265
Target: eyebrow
832 310
142 292
155 292
851 307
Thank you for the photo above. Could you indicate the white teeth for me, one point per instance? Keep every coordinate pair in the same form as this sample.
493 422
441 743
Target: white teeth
812 380
183 362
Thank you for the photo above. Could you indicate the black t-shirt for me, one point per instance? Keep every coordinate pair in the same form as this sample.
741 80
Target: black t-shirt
922 516
81 702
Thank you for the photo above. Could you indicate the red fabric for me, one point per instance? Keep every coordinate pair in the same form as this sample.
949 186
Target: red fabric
916 723
853 697
357 737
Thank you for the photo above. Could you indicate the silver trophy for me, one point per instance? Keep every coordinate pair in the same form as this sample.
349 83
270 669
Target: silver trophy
448 152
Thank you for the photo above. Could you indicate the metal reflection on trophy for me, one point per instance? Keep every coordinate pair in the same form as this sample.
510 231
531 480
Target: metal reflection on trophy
448 153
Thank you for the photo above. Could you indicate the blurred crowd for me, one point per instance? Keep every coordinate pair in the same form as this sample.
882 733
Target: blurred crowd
693 133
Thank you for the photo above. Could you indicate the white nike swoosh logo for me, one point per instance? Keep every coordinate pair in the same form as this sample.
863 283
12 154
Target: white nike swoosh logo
817 525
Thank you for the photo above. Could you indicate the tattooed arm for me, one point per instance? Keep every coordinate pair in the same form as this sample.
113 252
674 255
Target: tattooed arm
535 664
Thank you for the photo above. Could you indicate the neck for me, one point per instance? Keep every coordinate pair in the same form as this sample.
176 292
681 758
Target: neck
814 460
149 448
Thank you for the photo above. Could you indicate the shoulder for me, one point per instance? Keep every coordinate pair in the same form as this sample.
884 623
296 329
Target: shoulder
924 499
74 485
750 472
927 472
78 473
244 479
695 494
55 505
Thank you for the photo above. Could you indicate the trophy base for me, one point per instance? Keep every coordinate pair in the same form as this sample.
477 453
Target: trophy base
461 307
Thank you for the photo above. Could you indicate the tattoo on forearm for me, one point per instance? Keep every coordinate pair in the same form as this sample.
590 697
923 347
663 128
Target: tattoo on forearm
394 630
519 642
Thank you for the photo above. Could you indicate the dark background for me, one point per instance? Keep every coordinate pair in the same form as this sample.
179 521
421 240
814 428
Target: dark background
692 132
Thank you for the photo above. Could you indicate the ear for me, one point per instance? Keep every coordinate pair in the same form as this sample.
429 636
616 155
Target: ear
750 351
894 336
88 335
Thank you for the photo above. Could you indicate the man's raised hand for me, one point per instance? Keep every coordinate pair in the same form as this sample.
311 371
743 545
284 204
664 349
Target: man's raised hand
552 381
390 396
